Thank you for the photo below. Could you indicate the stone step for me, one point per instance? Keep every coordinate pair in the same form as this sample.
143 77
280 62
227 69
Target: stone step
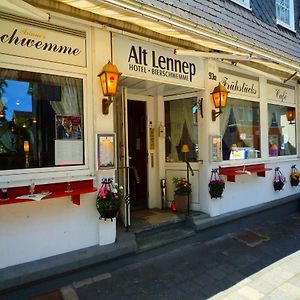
162 235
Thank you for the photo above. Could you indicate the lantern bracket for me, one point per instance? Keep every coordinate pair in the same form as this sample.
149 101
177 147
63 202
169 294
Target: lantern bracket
215 114
106 102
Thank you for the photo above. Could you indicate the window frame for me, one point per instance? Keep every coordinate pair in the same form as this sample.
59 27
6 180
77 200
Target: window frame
245 4
290 26
246 160
20 177
283 104
179 97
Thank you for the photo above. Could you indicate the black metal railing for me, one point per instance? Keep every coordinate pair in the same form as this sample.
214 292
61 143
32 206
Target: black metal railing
127 191
188 170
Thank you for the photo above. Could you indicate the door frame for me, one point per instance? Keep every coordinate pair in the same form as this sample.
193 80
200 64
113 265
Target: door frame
150 117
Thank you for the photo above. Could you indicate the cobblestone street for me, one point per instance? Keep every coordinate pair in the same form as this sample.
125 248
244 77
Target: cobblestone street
202 270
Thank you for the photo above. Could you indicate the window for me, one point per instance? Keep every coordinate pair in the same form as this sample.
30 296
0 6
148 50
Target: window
285 13
240 129
282 133
41 120
245 3
181 130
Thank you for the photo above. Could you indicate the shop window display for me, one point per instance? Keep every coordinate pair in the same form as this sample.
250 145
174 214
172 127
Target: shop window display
282 133
41 120
240 130
181 130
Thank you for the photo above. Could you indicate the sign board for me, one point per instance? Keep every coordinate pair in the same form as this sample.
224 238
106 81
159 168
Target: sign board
280 92
239 83
19 39
136 58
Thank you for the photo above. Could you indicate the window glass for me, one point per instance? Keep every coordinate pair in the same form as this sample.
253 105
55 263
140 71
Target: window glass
181 130
41 120
240 129
284 13
282 133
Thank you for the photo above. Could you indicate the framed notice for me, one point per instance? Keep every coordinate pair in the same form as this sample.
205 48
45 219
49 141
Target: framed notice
216 148
106 151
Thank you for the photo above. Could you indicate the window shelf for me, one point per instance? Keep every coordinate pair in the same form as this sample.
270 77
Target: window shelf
231 172
56 190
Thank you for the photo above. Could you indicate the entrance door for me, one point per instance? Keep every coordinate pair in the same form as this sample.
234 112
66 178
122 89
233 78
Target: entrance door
137 152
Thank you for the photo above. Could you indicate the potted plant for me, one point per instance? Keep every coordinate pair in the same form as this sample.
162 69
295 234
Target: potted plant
295 176
182 190
216 184
279 180
109 199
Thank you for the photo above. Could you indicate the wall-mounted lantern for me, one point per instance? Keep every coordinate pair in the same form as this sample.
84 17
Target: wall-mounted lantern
219 96
290 115
109 78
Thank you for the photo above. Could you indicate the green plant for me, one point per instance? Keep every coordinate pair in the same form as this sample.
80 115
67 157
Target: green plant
110 196
217 185
182 185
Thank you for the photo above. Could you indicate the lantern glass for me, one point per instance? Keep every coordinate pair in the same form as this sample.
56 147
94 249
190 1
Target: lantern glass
103 83
219 95
109 78
290 114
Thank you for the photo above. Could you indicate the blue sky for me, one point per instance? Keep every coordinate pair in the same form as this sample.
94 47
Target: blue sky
15 97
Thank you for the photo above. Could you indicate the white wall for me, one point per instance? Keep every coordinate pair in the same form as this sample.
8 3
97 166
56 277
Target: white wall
35 230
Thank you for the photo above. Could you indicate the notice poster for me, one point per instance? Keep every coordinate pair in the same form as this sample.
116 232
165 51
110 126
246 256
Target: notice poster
68 152
106 151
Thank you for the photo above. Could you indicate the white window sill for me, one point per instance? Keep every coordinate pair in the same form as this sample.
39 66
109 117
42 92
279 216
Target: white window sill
286 26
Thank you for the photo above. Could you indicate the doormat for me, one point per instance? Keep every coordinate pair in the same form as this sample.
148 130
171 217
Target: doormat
250 238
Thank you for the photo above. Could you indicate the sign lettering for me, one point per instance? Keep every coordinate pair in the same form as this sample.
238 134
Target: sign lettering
44 44
153 62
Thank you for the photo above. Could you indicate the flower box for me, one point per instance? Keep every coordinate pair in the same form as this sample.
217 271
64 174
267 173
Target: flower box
181 201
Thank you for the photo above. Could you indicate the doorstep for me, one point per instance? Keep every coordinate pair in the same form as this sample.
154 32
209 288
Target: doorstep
26 273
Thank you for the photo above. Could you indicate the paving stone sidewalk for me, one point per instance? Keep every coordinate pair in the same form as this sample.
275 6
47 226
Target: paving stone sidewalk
224 268
281 280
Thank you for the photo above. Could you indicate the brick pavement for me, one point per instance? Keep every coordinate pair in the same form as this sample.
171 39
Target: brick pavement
224 268
281 281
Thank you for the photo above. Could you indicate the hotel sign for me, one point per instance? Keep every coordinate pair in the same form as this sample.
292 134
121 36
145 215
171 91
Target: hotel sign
19 39
136 58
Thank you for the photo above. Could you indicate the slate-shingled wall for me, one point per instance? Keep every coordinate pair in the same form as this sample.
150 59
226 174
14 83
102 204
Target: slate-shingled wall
255 27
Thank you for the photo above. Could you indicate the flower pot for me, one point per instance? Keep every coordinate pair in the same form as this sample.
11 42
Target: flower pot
278 185
294 182
108 214
215 193
181 201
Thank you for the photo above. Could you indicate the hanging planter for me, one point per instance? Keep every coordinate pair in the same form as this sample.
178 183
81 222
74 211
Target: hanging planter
295 176
279 180
109 199
216 184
